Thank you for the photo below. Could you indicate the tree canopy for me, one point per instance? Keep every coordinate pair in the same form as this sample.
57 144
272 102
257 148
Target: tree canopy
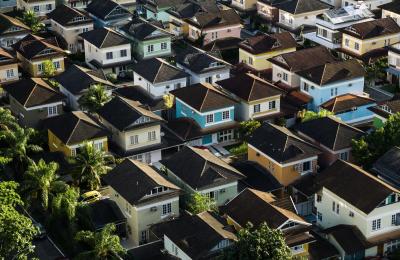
32 20
49 70
197 202
94 98
307 115
246 128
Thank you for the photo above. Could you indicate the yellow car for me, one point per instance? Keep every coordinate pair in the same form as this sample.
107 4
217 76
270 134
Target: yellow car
90 196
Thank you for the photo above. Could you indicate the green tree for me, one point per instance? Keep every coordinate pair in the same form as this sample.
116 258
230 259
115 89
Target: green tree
7 121
94 98
90 164
246 128
64 204
307 115
376 70
168 101
197 202
9 195
30 19
262 243
103 244
49 70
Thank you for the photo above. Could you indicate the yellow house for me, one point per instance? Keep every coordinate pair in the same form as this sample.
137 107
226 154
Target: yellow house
255 51
285 155
238 212
33 51
68 132
368 40
8 67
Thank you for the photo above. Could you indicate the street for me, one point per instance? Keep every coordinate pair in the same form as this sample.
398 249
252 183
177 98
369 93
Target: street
45 250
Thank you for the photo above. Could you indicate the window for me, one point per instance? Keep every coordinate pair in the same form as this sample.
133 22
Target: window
98 146
306 166
351 214
109 55
56 65
356 46
333 206
250 60
214 35
85 29
150 48
151 135
210 118
166 209
319 198
319 216
40 67
333 92
305 87
347 42
9 43
337 208
52 111
73 151
282 17
134 139
10 73
48 7
209 79
143 236
123 53
376 224
272 104
257 108
163 46
344 156
177 86
225 115
36 8
285 76
193 33
396 219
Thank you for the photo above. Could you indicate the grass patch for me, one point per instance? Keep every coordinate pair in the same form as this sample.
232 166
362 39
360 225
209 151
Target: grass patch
237 149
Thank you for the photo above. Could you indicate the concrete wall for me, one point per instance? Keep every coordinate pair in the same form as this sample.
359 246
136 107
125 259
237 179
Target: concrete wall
159 89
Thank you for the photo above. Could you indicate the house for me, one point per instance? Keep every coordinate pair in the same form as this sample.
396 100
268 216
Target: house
207 27
40 8
77 4
157 9
269 10
369 217
108 50
392 10
255 51
144 196
368 40
158 77
148 39
8 67
209 111
387 167
32 100
373 5
393 72
383 110
350 108
198 170
257 98
330 80
285 66
68 132
33 51
68 23
282 153
135 130
12 30
202 67
330 23
204 235
299 16
108 13
259 207
244 5
7 5
77 80
334 138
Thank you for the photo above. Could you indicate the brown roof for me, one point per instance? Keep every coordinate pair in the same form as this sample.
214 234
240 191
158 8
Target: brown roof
372 29
300 60
346 102
265 43
32 45
250 87
6 58
333 72
6 22
222 18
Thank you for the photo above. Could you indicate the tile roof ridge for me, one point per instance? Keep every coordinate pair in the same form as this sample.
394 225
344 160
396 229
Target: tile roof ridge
158 71
30 94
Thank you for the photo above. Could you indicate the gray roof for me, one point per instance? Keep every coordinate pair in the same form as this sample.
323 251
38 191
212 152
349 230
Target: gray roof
143 30
199 62
104 38
156 70
102 8
67 16
302 6
388 166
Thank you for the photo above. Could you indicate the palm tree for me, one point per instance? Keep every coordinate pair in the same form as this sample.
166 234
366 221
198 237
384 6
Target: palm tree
90 165
94 98
7 120
38 182
64 204
103 244
30 19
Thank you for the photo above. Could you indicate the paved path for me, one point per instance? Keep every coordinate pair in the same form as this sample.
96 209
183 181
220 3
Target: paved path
46 250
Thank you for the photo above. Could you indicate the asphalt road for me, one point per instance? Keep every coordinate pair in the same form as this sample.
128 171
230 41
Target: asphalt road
45 250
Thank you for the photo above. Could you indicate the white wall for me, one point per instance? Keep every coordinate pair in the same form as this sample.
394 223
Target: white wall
94 53
159 89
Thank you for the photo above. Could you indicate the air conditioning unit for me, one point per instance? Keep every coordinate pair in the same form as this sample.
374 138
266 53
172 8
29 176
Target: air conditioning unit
279 75
153 209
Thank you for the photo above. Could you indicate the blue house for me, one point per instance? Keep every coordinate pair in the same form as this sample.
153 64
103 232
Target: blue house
157 9
108 13
327 81
204 115
350 108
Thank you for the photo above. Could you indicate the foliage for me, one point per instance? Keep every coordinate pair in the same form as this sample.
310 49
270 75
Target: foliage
168 101
8 194
94 98
90 165
7 121
307 115
49 70
247 128
369 148
64 204
103 244
112 77
259 244
239 150
30 19
376 70
197 202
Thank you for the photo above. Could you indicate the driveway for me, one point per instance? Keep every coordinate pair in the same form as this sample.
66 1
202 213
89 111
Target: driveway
46 250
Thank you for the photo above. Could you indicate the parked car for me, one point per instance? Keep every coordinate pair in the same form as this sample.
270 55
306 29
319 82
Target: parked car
90 196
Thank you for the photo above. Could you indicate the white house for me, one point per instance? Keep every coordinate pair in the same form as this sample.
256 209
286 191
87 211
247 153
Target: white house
40 8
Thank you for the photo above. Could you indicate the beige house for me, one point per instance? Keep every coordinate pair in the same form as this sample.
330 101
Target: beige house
8 67
144 196
39 7
12 30
391 10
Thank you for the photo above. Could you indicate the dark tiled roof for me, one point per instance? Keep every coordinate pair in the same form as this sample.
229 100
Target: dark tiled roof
322 249
6 58
227 43
134 179
102 8
300 60
143 30
68 16
201 169
157 70
388 166
257 207
393 6
75 127
302 6
6 22
104 38
203 97
189 9
349 238
250 87
103 212
306 184
280 144
33 92
330 132
31 45
372 29
215 19
340 177
333 72
346 102
161 4
137 93
266 43
122 113
78 79
151 251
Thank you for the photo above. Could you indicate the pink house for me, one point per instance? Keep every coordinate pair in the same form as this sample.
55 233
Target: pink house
213 26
